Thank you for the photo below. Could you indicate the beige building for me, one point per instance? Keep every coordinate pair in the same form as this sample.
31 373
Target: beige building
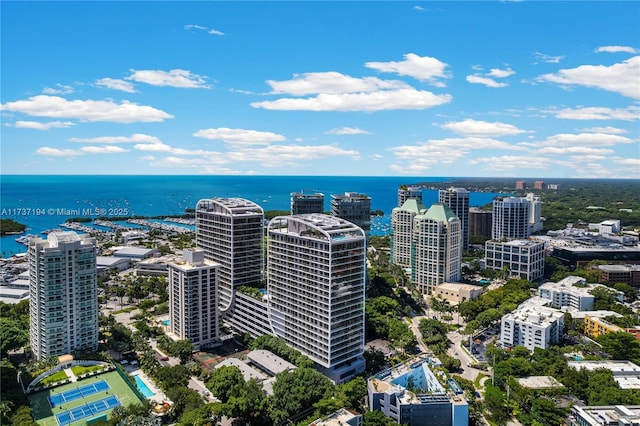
457 293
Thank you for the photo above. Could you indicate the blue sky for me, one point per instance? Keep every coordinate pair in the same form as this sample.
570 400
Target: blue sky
514 89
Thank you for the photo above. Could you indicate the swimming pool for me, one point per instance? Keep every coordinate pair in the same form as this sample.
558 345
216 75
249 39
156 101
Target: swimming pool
166 322
148 393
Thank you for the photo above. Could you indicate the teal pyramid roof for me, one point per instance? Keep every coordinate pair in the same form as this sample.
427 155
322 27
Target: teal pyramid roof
413 205
440 212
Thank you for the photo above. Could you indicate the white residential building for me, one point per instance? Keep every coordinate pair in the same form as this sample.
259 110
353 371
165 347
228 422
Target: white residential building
230 231
437 257
510 218
316 270
193 301
402 235
570 292
532 325
63 300
609 415
458 201
535 212
522 258
406 192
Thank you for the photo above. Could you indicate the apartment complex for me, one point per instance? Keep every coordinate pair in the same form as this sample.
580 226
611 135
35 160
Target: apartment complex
519 258
437 254
193 299
609 415
532 325
316 270
535 213
63 294
354 207
573 292
406 192
412 394
594 327
230 231
302 203
402 235
510 218
458 201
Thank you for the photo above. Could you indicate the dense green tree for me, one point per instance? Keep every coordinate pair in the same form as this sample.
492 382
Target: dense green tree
375 360
184 400
225 381
355 392
205 415
249 403
23 417
630 293
13 335
495 402
295 390
545 411
376 418
183 350
170 377
620 345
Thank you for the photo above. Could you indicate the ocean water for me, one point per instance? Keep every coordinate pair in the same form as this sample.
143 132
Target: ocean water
43 202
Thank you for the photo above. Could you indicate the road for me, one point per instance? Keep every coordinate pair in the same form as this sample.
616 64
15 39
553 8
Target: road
457 351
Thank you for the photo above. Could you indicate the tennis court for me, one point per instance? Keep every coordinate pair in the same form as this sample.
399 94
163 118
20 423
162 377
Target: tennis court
87 410
80 392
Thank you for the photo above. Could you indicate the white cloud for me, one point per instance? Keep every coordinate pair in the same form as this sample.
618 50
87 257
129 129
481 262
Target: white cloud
56 152
215 32
136 137
498 73
419 8
153 147
610 130
547 58
331 82
511 162
597 113
620 78
239 136
86 110
477 79
279 155
347 131
616 49
173 78
115 84
109 149
423 68
583 140
194 27
179 162
60 89
41 126
574 150
471 127
375 101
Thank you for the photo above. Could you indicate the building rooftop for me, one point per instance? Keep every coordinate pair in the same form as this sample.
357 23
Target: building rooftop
109 260
439 212
247 371
536 311
619 268
592 314
625 373
413 205
341 417
540 382
459 286
269 361
137 252
610 415
517 243
316 225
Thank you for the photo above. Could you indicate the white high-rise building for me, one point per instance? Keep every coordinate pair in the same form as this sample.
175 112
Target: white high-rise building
316 268
458 201
230 231
407 192
193 301
532 325
510 218
63 304
402 235
437 257
518 258
535 212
